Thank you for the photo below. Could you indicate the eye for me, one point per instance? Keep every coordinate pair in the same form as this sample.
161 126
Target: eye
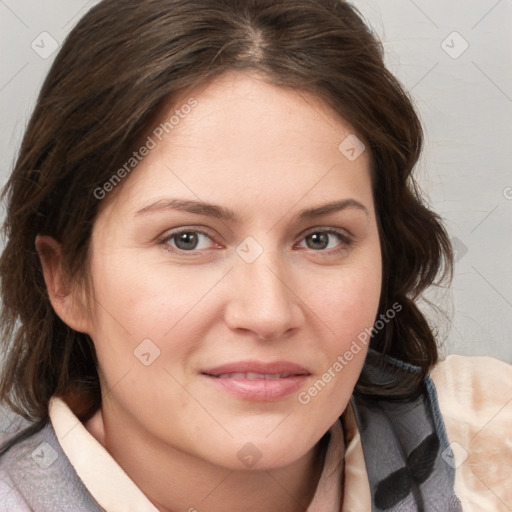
320 240
325 240
188 240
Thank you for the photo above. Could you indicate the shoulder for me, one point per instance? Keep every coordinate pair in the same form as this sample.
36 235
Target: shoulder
35 474
475 399
466 377
477 391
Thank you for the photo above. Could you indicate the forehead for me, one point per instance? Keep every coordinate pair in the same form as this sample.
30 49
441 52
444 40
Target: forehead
240 136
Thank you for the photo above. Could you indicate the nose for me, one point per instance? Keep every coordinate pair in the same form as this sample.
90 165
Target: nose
264 299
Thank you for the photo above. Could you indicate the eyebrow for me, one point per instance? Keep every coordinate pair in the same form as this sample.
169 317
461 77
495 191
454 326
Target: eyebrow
219 212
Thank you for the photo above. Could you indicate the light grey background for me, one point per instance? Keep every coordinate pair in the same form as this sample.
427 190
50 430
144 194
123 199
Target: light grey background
455 58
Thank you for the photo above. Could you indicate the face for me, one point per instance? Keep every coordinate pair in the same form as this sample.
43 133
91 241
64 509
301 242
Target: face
232 273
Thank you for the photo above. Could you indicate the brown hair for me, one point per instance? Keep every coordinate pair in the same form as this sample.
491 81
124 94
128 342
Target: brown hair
113 72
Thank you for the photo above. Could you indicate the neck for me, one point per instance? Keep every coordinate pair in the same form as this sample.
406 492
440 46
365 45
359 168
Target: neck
197 485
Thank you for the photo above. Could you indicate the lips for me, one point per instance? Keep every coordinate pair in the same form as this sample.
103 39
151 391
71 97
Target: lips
258 381
284 368
253 376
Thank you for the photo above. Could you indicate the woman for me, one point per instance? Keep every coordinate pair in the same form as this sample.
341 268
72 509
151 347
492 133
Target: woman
214 251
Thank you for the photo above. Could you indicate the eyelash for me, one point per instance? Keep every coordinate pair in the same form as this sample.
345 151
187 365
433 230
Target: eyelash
345 240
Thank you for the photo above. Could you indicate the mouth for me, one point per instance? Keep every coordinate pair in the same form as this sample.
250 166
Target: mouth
253 376
258 381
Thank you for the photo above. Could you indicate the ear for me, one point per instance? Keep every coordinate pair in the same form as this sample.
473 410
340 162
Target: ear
60 291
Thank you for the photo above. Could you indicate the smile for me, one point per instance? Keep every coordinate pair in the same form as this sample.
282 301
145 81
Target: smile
252 376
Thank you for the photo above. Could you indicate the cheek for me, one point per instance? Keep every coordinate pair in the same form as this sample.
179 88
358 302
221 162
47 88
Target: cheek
348 302
347 306
143 307
146 298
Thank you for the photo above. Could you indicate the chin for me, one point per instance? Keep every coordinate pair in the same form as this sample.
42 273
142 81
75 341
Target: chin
262 453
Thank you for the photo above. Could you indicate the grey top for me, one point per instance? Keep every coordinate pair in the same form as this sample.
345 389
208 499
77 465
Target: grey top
36 475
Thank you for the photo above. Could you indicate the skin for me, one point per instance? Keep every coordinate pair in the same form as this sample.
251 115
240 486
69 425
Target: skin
267 153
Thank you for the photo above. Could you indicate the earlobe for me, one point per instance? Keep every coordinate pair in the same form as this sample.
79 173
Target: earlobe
60 291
